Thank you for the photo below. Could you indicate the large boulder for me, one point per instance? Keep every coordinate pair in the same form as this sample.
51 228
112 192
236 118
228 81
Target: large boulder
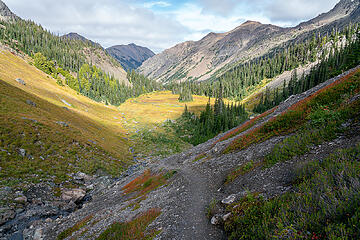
75 195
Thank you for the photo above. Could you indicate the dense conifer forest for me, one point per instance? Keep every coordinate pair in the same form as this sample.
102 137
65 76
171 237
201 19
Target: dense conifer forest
331 65
214 119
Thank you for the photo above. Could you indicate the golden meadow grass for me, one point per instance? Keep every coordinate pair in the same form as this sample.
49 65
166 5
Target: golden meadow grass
157 107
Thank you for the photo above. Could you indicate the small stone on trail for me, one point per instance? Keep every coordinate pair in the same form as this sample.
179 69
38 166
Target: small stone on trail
19 80
229 200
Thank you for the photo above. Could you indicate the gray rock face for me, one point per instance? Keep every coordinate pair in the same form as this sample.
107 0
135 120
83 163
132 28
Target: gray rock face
19 80
130 56
5 12
38 234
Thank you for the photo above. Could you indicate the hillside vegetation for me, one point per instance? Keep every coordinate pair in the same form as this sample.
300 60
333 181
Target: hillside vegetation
322 203
59 130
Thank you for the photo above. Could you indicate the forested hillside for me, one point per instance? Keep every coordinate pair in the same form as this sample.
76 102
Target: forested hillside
245 78
65 60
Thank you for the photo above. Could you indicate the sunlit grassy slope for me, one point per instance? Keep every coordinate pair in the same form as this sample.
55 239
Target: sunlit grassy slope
95 136
157 107
93 139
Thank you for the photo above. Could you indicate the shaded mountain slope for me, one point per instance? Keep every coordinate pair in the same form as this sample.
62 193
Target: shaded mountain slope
48 134
130 56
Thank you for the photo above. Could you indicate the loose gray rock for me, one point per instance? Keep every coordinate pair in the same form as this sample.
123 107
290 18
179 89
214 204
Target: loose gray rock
82 176
229 200
216 220
64 124
75 195
31 103
21 199
38 235
226 217
33 120
6 214
65 102
19 80
22 152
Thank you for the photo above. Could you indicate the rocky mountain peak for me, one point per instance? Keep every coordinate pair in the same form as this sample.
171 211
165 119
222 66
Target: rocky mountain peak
250 22
6 13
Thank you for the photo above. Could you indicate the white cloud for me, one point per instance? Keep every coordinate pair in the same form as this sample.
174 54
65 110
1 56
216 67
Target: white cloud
200 23
109 22
297 10
157 4
222 7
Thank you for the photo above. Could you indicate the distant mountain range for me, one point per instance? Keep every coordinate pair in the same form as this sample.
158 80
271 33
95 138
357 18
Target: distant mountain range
216 52
130 56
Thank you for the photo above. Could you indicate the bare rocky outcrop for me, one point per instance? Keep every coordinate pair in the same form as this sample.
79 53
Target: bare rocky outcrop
5 13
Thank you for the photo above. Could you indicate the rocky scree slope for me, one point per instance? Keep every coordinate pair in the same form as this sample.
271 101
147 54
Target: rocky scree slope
200 60
130 56
198 180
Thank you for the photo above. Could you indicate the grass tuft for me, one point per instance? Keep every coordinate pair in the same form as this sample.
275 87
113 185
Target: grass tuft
68 232
135 229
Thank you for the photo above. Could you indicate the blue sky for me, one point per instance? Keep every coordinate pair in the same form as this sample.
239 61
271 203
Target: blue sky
160 24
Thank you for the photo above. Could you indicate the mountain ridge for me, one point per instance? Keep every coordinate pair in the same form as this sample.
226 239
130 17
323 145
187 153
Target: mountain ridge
130 56
201 60
76 36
